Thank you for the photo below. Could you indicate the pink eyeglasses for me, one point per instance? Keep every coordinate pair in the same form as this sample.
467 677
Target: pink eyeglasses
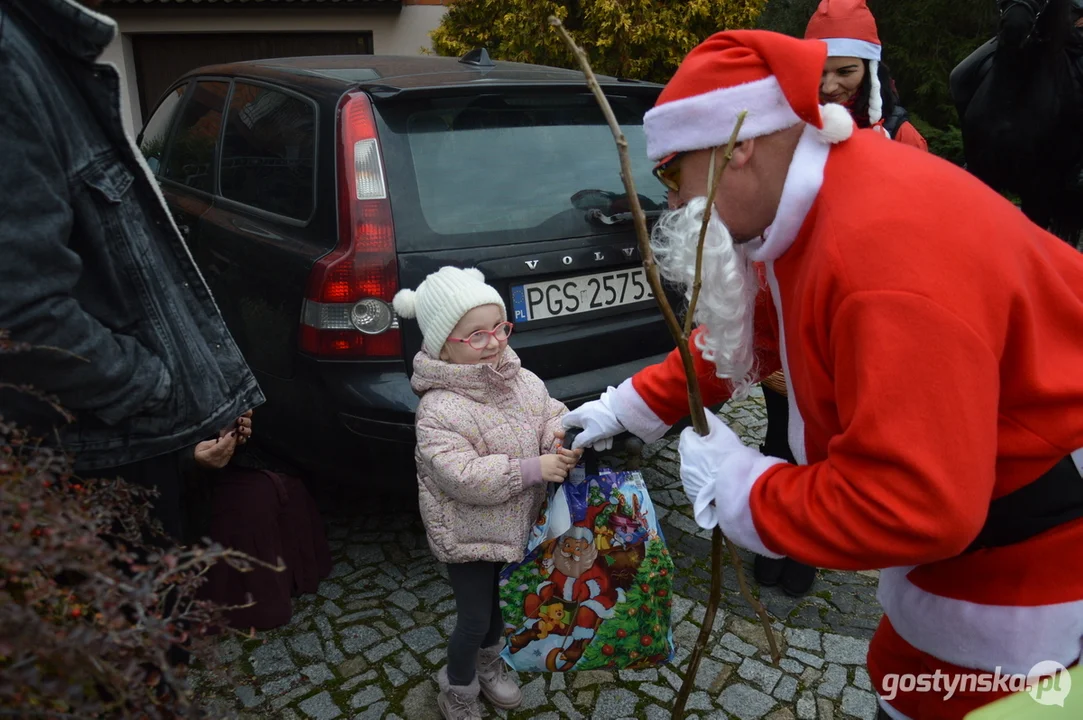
480 339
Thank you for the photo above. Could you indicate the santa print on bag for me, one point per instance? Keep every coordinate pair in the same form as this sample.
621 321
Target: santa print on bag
598 595
572 602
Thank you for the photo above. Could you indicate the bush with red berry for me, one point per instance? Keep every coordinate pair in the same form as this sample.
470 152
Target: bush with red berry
98 616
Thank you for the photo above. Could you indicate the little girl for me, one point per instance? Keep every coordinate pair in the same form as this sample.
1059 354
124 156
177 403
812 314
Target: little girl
488 439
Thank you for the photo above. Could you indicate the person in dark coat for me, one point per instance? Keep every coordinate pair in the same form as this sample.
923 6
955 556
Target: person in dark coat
95 278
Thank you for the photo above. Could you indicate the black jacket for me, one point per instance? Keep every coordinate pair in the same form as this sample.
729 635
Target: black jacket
91 262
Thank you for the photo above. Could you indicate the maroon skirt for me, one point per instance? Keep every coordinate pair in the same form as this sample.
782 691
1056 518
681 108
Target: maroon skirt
269 516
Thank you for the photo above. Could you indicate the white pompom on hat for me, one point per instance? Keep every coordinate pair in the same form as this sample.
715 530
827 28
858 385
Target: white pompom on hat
442 299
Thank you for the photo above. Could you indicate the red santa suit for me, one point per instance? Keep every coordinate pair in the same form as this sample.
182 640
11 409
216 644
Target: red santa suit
932 343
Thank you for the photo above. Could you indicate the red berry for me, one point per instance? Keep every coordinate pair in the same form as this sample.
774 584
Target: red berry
663 572
646 641
76 612
622 633
607 650
645 609
662 593
645 587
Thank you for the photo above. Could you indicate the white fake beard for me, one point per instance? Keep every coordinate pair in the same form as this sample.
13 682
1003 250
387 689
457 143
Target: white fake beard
729 285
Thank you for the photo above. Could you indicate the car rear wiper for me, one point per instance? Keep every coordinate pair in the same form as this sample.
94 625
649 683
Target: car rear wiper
594 214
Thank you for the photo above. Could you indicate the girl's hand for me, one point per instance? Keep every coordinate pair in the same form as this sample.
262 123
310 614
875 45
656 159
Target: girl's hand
571 456
555 468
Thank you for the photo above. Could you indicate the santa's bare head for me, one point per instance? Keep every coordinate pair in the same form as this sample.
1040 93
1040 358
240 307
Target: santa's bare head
727 298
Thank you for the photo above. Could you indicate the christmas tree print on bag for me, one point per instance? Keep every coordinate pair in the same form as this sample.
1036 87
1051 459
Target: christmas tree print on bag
599 594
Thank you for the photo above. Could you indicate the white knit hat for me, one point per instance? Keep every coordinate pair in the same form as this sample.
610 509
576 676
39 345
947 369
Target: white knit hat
442 299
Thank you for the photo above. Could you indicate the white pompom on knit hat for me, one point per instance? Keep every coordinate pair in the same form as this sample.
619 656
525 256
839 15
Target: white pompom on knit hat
442 299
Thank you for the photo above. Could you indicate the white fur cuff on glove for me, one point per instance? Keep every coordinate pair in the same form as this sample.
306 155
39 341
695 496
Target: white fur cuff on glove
635 415
718 468
598 421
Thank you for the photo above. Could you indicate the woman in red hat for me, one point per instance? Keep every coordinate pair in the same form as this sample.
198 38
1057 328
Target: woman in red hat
855 77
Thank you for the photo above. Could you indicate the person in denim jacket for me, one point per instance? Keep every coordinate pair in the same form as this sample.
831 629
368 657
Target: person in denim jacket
94 273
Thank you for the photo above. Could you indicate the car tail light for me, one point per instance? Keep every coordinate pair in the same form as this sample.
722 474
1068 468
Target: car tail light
347 311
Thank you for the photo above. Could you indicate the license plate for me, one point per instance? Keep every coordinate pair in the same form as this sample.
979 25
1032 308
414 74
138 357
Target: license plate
576 295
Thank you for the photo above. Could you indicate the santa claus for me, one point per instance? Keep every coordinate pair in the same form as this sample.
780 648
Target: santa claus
932 342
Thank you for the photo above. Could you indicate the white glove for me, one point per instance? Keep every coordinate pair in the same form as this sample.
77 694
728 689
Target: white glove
599 423
718 472
701 457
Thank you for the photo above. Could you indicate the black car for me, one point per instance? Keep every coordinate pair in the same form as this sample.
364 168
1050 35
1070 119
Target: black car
310 190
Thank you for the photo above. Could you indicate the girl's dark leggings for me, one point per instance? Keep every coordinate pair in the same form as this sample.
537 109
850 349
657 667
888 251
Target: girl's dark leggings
479 623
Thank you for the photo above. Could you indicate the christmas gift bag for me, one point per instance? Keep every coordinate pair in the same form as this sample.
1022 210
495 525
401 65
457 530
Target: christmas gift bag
595 589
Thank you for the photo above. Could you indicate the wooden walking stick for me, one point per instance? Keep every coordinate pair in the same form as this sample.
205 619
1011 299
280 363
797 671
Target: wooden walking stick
681 338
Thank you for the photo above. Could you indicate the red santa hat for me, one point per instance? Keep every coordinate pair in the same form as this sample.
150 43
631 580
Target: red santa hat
774 77
849 29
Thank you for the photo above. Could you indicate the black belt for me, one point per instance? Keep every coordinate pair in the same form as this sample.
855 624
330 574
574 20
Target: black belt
1052 500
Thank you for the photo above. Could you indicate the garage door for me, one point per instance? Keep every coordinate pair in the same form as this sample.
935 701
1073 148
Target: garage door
162 58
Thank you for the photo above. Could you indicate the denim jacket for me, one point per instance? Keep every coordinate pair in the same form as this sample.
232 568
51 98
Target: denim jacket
93 271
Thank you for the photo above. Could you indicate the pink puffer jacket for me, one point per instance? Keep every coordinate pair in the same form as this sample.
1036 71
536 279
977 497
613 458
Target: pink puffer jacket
481 430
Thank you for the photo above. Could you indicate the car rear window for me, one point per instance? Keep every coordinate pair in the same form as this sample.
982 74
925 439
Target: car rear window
190 158
269 151
523 167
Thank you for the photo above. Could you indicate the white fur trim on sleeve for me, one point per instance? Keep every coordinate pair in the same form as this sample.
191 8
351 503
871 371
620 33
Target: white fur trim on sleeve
732 488
634 413
850 47
705 121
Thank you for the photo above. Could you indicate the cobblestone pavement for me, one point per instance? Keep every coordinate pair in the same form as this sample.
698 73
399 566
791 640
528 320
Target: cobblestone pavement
369 644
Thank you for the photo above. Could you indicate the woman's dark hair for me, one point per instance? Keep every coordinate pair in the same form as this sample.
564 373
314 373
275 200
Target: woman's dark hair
860 109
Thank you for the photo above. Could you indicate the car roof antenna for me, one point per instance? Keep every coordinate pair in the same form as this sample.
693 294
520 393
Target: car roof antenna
479 57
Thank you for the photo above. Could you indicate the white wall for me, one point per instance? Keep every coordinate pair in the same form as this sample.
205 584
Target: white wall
399 33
